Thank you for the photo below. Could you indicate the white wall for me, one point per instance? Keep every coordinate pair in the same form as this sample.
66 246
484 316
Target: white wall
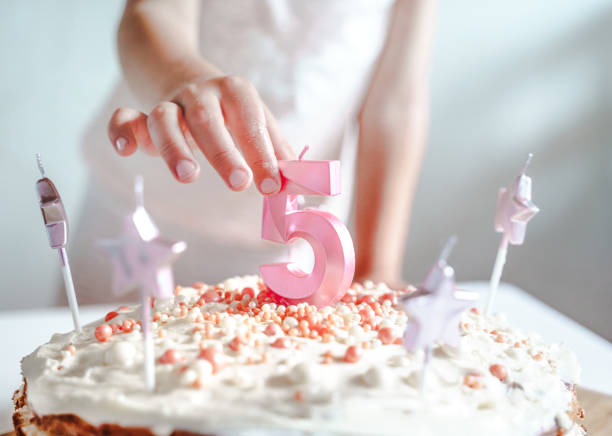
509 78
57 63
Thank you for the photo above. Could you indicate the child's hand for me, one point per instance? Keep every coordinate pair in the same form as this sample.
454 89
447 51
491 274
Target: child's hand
217 116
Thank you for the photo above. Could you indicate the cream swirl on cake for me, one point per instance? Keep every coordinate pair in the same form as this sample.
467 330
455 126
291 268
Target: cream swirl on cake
232 360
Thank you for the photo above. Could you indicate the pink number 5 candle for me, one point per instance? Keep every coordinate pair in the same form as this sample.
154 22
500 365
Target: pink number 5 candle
283 222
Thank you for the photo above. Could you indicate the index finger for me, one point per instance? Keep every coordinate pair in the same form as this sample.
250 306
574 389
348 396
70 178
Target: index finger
246 121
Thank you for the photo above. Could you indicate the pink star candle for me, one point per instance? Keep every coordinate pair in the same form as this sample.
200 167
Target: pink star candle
142 259
434 310
514 210
56 223
283 222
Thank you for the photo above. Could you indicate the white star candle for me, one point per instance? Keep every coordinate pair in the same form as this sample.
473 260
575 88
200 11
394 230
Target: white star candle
514 210
142 259
434 309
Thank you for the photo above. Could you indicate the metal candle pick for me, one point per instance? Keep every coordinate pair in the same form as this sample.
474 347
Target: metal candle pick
514 210
56 223
142 259
434 308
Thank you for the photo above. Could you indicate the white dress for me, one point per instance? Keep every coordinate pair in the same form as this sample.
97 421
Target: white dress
311 62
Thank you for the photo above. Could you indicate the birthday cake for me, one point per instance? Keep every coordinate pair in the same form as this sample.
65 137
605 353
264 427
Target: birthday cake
232 359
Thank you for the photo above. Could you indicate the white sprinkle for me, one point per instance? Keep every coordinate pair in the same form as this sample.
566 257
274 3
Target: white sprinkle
228 323
202 368
398 360
376 343
290 322
301 373
356 331
120 353
188 377
374 377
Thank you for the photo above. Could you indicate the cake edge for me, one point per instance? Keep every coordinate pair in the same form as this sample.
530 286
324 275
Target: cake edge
28 423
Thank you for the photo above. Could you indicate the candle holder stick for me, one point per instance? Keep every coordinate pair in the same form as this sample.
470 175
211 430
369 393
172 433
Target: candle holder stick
149 355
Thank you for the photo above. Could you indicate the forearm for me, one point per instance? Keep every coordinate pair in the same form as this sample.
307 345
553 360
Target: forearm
158 47
393 135
388 164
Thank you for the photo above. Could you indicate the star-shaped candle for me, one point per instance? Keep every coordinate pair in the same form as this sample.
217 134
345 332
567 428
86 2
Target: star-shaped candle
142 259
434 309
514 210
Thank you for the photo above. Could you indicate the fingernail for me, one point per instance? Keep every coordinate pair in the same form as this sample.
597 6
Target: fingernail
268 186
120 143
184 169
238 178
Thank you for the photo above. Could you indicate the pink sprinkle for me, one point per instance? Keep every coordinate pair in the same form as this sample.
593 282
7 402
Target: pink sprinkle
198 285
271 330
248 291
386 336
281 343
103 332
110 315
214 357
211 296
471 380
353 354
171 356
127 326
499 371
236 344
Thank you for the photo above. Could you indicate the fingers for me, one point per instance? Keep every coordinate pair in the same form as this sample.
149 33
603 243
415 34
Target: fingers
166 127
127 130
218 118
246 120
206 124
282 149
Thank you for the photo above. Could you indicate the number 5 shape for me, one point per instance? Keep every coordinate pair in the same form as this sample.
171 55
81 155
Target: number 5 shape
283 222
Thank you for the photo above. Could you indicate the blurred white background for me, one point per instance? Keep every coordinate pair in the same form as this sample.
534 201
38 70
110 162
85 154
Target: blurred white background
508 78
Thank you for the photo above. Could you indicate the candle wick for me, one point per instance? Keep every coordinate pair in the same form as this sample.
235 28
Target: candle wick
40 165
447 249
306 148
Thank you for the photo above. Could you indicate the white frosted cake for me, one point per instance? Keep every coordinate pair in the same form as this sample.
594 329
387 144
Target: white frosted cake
233 360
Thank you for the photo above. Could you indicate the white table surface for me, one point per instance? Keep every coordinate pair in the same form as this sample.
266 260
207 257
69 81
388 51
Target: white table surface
23 330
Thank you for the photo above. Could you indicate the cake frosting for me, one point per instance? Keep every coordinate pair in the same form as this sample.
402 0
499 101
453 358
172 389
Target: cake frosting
233 360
